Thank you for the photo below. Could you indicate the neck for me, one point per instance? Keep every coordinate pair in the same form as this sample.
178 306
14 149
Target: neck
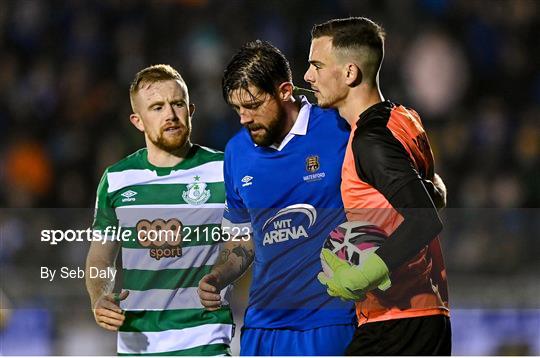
358 100
161 158
292 109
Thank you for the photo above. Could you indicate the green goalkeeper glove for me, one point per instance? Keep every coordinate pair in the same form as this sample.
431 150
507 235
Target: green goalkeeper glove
353 282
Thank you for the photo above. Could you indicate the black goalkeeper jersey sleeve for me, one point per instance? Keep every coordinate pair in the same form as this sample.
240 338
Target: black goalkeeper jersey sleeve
382 161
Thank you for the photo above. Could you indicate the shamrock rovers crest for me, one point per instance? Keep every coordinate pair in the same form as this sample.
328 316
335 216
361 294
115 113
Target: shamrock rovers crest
196 193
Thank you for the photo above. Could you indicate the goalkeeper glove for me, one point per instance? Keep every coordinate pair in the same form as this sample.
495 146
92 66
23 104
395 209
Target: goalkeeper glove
353 282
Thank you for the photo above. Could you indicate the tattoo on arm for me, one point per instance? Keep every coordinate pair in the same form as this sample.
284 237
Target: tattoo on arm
246 255
224 256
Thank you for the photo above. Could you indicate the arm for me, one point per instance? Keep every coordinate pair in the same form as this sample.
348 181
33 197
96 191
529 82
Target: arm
381 161
236 256
104 303
234 260
102 255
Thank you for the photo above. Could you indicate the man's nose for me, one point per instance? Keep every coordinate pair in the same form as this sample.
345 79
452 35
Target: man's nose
308 76
170 112
245 117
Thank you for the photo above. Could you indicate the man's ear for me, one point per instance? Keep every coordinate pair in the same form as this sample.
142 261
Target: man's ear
285 91
353 75
191 109
136 120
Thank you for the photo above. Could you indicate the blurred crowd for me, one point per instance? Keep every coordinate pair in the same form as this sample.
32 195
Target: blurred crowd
469 67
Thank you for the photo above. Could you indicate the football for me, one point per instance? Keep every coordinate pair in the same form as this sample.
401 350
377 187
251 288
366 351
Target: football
354 240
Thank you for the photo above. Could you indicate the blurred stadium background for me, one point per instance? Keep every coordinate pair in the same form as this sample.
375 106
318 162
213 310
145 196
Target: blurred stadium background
469 67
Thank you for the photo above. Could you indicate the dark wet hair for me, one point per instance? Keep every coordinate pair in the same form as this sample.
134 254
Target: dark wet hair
258 63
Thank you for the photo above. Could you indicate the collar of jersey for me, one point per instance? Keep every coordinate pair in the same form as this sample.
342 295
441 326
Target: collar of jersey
300 125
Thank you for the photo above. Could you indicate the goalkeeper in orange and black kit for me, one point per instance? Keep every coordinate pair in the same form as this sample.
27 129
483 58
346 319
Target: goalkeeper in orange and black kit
388 179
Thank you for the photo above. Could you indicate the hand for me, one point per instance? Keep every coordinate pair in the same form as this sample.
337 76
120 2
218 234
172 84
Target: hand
437 191
209 292
351 282
107 312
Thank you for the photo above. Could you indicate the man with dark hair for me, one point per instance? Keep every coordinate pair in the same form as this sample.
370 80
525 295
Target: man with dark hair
387 177
282 176
162 193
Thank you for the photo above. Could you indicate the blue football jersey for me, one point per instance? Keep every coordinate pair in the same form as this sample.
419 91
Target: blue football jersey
290 198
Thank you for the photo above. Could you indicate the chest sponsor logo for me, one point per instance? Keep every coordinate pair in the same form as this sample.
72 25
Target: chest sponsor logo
281 224
163 238
128 196
196 193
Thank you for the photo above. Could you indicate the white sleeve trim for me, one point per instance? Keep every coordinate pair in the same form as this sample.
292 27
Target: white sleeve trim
227 227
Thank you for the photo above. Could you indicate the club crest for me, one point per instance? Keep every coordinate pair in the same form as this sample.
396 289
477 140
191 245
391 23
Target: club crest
196 193
312 163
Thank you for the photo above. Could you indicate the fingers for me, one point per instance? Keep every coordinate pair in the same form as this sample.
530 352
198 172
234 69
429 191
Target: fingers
108 322
210 300
116 297
323 278
207 284
325 281
331 292
108 327
208 293
121 296
108 315
109 311
332 260
108 302
334 290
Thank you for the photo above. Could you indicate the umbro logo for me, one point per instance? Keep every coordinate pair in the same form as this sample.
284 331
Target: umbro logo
247 180
128 195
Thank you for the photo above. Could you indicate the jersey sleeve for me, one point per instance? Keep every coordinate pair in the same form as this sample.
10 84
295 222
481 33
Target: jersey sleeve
104 214
236 216
381 160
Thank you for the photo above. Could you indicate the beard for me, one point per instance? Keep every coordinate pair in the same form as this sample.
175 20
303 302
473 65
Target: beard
270 133
326 101
171 142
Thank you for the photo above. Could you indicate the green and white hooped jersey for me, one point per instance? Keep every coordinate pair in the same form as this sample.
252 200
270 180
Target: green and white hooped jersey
185 203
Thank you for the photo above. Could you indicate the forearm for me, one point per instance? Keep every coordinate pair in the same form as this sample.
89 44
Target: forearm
97 287
420 225
102 258
234 260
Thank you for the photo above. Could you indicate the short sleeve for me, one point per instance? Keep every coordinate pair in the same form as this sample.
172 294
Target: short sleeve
104 214
236 215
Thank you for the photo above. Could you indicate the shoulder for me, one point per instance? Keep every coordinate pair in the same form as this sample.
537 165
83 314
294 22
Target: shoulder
372 125
329 119
239 142
207 154
318 113
132 161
